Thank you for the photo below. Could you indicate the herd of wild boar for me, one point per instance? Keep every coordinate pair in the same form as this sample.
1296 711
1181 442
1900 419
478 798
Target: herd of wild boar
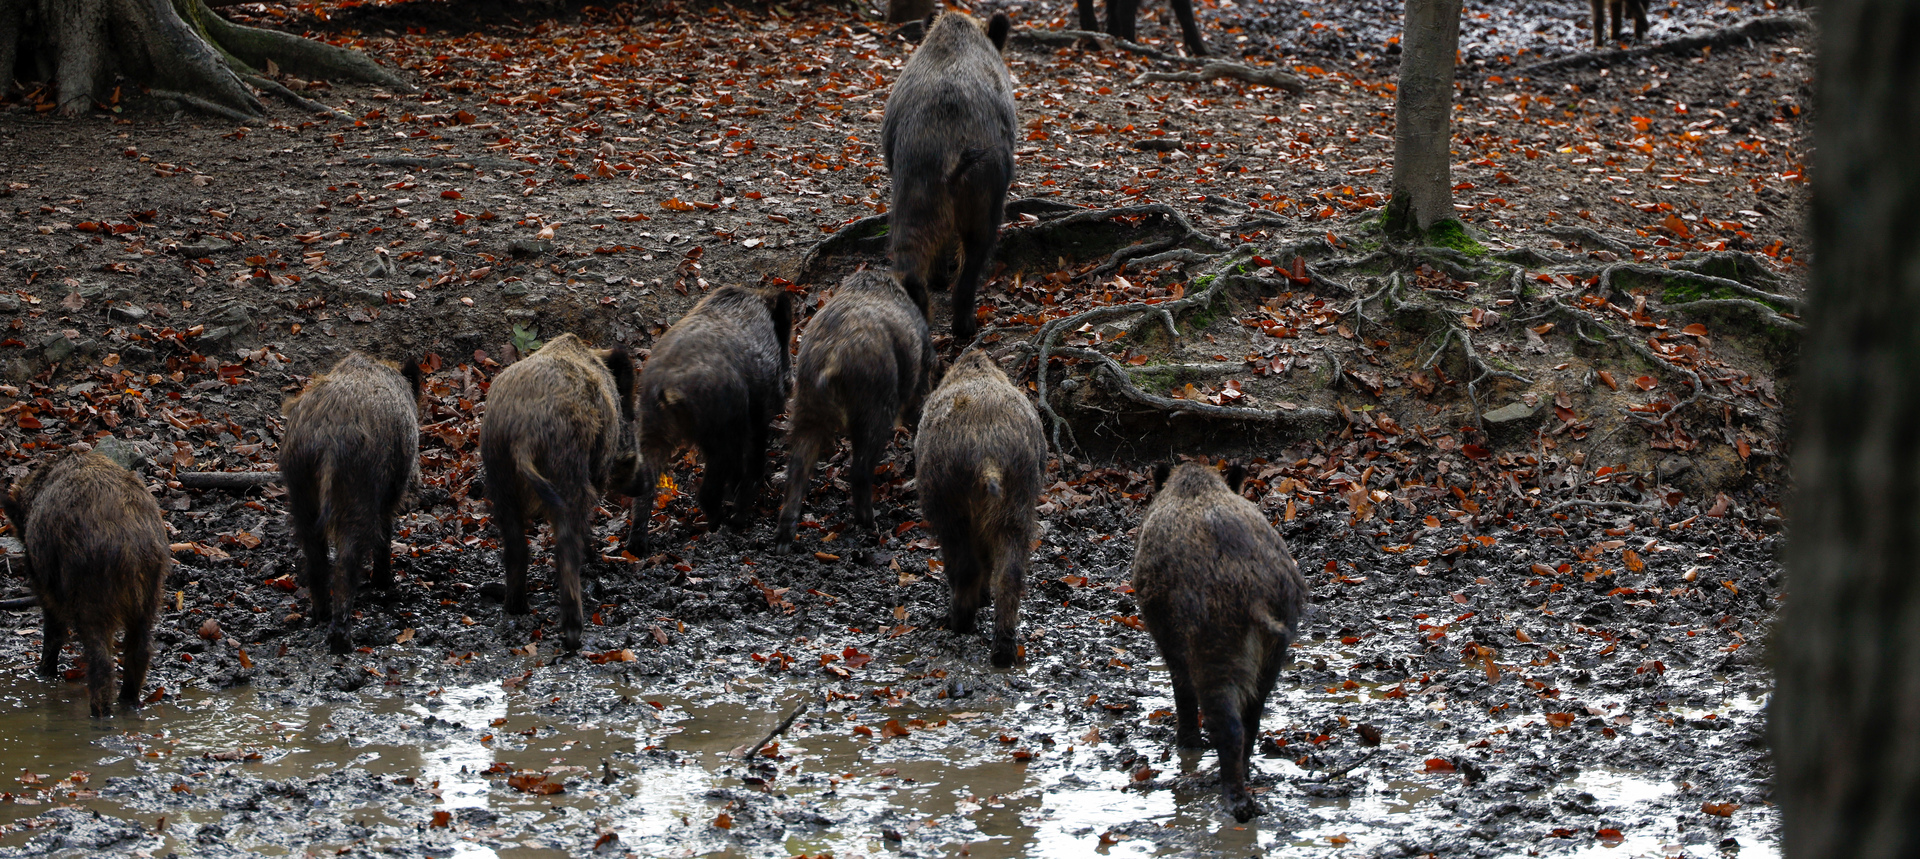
569 425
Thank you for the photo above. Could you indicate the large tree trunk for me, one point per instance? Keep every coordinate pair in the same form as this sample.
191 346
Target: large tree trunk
1846 711
1422 118
178 48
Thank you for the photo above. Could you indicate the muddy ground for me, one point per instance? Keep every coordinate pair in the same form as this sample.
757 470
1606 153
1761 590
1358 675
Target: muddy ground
1552 623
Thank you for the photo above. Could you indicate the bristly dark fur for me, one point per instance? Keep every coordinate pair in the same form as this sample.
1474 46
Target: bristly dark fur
715 381
96 557
948 141
350 457
980 456
1222 597
558 436
866 362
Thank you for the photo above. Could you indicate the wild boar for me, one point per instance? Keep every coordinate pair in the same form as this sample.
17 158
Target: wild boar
557 436
1222 598
715 381
866 360
350 457
948 143
980 455
96 557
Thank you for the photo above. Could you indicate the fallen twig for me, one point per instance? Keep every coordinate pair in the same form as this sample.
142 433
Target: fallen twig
777 730
230 480
293 98
1256 75
1758 29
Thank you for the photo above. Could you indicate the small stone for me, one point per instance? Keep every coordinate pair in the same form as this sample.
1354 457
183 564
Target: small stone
122 453
57 347
1508 414
206 245
127 312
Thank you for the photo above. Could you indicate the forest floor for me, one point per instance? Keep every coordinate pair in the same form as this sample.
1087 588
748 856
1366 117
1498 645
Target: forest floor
1536 479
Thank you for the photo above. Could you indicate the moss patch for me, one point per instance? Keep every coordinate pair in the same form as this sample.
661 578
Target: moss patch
1453 234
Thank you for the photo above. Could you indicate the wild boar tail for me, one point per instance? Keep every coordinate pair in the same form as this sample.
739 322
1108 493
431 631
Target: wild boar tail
991 480
549 496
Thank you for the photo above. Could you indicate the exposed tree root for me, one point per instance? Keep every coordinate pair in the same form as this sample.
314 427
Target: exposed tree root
1766 314
1693 277
1758 29
1589 237
1473 361
178 49
1255 75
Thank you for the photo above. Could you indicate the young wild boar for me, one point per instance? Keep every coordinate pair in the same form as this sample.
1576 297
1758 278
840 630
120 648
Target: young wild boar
948 142
96 557
714 382
350 456
1120 20
980 454
1619 10
558 435
1223 599
865 364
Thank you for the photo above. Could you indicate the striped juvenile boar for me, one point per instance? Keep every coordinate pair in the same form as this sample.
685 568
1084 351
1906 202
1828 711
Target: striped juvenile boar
865 363
1223 599
350 456
715 381
948 143
980 454
558 435
96 557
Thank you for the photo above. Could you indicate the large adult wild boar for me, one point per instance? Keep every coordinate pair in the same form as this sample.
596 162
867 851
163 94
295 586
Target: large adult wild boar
979 457
1222 598
96 557
558 436
948 142
350 456
866 361
714 382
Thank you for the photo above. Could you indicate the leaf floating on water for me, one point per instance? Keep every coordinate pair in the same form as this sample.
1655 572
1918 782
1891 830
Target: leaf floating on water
534 783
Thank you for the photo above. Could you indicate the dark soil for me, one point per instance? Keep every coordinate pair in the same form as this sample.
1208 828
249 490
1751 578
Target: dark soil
171 279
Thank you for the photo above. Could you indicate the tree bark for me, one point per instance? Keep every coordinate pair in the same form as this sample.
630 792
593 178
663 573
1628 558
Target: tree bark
178 48
1846 710
1422 194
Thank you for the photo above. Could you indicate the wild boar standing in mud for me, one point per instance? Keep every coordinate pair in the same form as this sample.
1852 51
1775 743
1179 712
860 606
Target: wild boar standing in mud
948 143
350 457
1618 10
980 455
714 383
1223 599
558 435
866 361
96 557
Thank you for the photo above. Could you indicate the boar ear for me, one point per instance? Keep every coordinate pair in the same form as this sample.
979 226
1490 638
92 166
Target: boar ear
997 29
1160 472
620 364
1235 474
410 368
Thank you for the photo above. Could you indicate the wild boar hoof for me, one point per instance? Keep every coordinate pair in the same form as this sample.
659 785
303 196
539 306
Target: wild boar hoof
571 638
1242 807
337 642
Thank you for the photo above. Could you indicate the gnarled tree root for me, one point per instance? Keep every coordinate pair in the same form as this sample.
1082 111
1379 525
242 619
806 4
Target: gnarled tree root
1756 30
178 49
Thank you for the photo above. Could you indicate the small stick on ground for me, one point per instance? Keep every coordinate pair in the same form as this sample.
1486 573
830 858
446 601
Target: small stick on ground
1255 75
777 730
229 480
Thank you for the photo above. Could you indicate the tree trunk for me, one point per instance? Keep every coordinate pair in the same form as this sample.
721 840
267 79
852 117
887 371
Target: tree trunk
178 48
1423 112
1846 710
